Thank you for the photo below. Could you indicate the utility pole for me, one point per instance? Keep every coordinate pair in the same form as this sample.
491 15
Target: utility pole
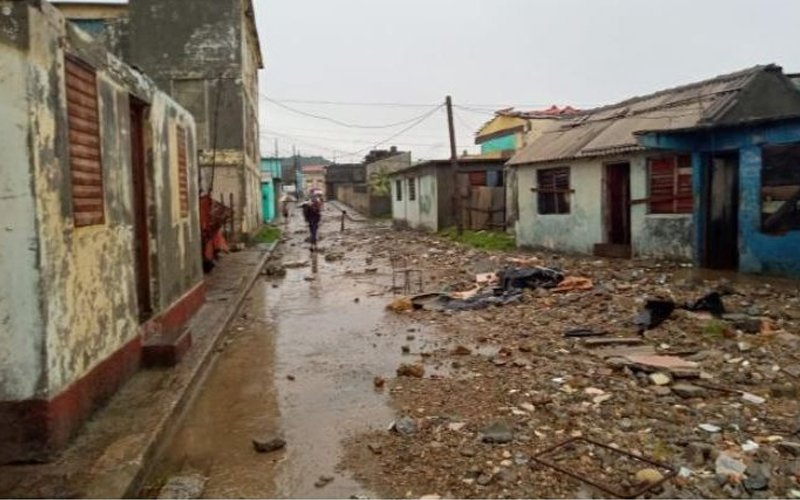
456 204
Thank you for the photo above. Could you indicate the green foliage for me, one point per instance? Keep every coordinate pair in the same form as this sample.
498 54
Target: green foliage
268 234
379 183
484 240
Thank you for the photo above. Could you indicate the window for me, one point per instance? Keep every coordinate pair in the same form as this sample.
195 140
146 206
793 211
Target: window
477 178
85 162
780 188
412 189
183 183
553 190
670 185
398 187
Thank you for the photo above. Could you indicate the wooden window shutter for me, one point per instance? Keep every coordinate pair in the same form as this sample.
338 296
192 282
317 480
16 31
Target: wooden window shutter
85 160
662 185
183 174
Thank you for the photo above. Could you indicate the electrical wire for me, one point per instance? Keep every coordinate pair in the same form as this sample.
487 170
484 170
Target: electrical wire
339 122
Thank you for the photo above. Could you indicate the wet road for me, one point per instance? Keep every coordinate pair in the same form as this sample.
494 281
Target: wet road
324 326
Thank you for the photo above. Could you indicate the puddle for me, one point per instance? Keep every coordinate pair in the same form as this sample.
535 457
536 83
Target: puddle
321 328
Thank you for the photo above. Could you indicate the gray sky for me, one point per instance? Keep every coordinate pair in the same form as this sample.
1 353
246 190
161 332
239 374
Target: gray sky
492 53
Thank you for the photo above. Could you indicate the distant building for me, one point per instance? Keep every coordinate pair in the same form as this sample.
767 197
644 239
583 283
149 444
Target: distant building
313 178
343 174
270 187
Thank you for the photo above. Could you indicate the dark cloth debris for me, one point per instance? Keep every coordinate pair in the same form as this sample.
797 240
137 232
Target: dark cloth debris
655 312
711 303
529 277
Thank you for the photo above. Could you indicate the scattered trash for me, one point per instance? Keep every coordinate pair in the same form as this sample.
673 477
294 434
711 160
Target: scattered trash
711 302
749 446
584 332
729 466
497 432
400 304
529 277
323 481
573 284
655 312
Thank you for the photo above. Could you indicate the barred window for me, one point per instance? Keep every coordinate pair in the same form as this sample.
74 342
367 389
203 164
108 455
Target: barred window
412 189
553 190
398 187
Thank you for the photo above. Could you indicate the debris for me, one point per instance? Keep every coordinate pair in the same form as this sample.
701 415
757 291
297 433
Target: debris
375 448
323 481
268 445
290 377
461 350
333 256
789 447
296 264
660 378
584 332
405 426
574 283
752 398
411 370
405 349
456 426
184 487
497 432
757 477
655 312
729 466
750 446
378 382
710 428
400 304
649 476
612 341
688 391
711 302
529 277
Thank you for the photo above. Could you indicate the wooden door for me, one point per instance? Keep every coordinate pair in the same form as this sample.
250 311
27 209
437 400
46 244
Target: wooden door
618 203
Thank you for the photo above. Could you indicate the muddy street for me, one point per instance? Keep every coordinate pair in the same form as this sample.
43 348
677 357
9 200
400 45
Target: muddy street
298 363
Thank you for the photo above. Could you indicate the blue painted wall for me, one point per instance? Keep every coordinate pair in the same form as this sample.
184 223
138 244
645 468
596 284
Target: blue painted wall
504 143
272 166
758 252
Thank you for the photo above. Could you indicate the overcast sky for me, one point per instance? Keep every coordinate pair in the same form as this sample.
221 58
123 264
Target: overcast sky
490 54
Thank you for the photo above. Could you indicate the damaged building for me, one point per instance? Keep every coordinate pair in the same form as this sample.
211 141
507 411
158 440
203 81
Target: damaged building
646 177
100 239
207 56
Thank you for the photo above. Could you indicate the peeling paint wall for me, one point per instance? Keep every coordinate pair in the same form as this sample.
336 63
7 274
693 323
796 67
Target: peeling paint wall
423 211
577 231
86 274
21 349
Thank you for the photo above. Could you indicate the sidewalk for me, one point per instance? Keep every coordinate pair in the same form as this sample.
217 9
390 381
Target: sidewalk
109 457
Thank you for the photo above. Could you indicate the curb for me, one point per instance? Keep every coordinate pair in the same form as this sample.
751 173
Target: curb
128 481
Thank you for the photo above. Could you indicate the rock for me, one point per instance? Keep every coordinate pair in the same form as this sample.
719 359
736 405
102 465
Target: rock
659 378
183 487
411 370
789 447
467 452
378 382
618 363
752 398
729 466
375 448
405 426
461 350
757 477
484 479
497 432
333 257
290 377
688 391
405 349
744 346
268 445
648 476
710 427
660 390
748 324
323 481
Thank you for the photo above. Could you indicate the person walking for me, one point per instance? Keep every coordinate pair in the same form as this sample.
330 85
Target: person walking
312 212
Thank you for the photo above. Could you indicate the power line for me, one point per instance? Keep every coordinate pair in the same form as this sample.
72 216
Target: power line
339 122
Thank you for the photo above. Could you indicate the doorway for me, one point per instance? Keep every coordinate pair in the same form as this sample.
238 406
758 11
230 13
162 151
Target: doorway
722 212
618 201
141 235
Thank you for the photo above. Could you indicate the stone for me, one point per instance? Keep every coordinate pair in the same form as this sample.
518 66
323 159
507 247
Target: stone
461 350
405 426
659 378
323 481
411 370
785 390
497 432
757 477
648 476
688 391
698 453
378 382
729 466
484 479
744 346
405 349
752 398
467 452
789 447
660 390
290 377
710 427
375 448
268 445
184 487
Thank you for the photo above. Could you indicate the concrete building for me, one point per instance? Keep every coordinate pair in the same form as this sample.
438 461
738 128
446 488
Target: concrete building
422 194
206 54
270 187
313 179
100 226
593 183
340 175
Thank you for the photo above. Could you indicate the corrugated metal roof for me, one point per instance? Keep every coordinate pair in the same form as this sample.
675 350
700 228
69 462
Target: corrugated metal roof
611 129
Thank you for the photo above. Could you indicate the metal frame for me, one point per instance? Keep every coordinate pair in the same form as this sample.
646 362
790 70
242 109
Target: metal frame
607 489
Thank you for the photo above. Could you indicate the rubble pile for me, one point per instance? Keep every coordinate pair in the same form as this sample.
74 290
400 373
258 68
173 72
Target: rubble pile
692 373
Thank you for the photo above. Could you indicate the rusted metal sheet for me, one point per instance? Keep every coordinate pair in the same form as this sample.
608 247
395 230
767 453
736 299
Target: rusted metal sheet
86 171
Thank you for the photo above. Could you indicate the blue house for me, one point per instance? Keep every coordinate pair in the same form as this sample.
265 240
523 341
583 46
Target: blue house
745 173
270 187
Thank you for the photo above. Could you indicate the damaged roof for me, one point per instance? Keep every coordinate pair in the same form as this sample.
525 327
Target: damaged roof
754 94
